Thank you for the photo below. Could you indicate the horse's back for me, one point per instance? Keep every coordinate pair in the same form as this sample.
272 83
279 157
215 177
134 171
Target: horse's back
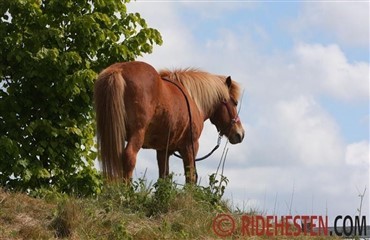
133 71
140 79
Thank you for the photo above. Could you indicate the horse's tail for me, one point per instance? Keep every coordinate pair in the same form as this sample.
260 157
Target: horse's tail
110 120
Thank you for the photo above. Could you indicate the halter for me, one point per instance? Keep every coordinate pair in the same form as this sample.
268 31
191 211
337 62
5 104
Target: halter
235 119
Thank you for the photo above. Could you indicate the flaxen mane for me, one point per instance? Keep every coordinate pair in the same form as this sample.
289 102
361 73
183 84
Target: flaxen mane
205 88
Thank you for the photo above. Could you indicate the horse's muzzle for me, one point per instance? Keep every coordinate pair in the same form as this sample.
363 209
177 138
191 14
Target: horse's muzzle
236 138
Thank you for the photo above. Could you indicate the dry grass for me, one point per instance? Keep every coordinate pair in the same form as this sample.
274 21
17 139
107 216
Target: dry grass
23 217
117 213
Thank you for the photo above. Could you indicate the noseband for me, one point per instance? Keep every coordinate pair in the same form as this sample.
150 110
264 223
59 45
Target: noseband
235 119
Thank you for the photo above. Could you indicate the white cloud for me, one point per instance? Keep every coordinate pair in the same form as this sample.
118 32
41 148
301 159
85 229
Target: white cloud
308 69
178 44
358 154
310 133
312 190
294 132
347 21
327 69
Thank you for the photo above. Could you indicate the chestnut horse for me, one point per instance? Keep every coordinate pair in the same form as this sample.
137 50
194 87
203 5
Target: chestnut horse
163 111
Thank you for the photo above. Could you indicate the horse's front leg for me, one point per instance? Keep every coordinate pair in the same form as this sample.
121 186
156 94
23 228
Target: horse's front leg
162 159
188 154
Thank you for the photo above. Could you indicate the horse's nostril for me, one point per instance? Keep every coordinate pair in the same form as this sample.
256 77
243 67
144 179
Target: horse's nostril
240 137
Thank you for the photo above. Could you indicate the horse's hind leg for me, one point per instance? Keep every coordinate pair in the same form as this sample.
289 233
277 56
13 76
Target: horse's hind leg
134 143
162 159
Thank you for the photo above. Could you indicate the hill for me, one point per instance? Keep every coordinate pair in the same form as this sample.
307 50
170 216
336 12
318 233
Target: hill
141 211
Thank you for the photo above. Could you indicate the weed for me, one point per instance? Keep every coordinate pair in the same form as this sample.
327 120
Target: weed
212 193
165 192
119 231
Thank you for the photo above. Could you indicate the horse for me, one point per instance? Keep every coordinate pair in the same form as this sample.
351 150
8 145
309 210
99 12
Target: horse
162 110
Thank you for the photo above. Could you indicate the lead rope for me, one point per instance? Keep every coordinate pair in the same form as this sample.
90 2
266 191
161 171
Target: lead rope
208 154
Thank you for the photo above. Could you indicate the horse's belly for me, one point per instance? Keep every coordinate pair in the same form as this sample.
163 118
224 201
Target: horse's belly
162 137
154 142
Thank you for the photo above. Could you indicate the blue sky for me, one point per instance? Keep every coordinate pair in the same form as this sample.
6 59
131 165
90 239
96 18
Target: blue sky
305 70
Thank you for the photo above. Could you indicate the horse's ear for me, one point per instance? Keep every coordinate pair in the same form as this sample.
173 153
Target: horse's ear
228 81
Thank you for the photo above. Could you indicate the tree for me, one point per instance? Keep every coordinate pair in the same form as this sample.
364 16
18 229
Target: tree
51 52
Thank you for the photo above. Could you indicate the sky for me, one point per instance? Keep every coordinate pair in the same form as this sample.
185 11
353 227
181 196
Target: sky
304 68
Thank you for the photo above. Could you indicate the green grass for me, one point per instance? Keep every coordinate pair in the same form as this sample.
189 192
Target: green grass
142 211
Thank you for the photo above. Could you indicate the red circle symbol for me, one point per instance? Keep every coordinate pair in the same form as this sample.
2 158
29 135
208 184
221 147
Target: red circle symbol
223 225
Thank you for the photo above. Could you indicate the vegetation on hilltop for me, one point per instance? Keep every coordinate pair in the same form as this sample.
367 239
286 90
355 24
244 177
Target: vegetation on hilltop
163 210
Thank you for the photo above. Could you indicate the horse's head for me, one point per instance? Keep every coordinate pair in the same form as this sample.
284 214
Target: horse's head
226 118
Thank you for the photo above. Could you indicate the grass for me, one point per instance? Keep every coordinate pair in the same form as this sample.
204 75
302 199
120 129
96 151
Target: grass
141 211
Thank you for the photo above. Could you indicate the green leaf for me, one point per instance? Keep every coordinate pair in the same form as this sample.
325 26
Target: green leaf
23 162
43 173
27 175
54 133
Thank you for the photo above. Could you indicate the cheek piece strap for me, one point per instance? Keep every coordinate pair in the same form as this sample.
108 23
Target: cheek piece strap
235 119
